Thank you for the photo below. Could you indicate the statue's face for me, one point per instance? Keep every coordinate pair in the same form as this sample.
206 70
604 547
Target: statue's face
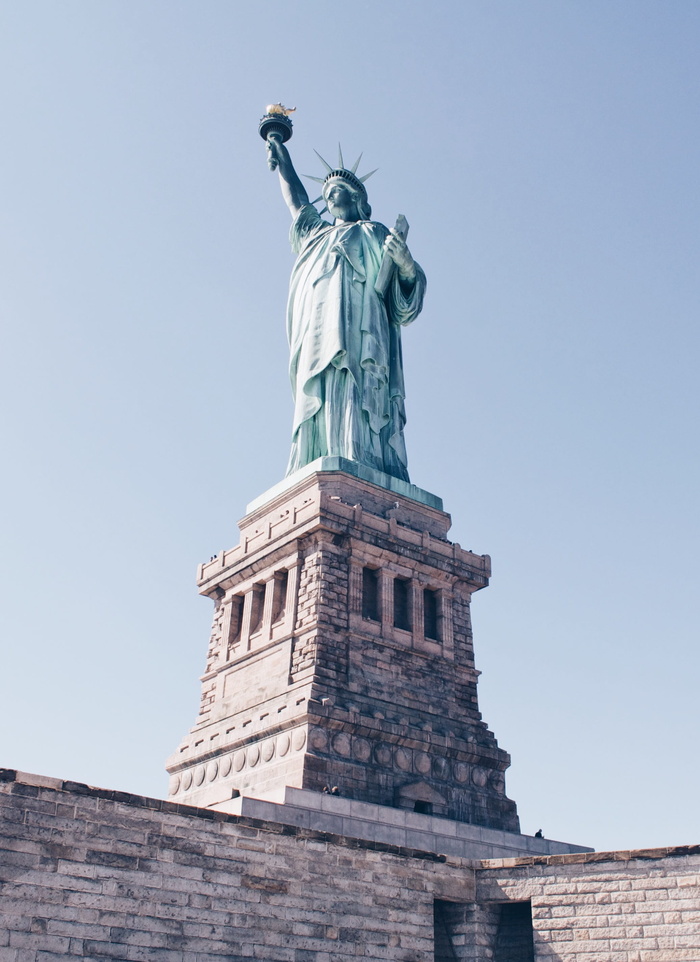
340 201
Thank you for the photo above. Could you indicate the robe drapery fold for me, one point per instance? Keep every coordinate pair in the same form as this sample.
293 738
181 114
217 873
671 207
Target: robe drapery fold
345 345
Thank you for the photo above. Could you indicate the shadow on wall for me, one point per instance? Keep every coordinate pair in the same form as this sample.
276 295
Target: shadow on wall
498 932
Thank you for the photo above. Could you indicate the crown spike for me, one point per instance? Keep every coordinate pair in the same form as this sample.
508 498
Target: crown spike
353 169
341 162
317 200
367 176
324 162
319 180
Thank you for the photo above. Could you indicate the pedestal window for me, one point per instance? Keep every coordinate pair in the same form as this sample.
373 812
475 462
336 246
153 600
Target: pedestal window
431 613
402 604
370 594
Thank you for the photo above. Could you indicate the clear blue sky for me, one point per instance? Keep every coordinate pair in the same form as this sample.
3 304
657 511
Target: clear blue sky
546 155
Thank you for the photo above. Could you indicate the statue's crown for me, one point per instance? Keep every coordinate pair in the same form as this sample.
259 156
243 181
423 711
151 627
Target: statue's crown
341 172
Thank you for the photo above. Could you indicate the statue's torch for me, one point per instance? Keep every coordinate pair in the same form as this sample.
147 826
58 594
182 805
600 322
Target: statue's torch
276 121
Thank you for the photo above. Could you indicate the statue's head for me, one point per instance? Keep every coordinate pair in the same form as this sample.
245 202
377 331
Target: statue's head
345 195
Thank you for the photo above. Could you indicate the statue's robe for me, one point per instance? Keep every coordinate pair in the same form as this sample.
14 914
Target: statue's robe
345 345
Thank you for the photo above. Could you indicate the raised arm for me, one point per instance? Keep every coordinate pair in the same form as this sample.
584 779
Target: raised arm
293 191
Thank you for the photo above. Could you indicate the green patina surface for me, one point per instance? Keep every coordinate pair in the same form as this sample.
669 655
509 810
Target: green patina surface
354 286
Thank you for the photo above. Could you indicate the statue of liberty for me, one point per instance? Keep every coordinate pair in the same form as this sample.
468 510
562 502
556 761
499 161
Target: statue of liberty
344 320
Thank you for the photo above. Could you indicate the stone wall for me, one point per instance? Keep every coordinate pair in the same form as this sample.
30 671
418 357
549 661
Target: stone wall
95 874
638 906
382 703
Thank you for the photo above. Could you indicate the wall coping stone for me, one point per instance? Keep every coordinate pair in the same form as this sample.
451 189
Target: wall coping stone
29 784
342 821
621 855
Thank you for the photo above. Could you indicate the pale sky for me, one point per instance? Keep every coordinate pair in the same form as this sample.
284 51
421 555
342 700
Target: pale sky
546 155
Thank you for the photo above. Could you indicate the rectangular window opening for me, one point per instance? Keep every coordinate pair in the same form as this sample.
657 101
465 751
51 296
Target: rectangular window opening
256 610
370 594
402 604
279 600
430 614
236 624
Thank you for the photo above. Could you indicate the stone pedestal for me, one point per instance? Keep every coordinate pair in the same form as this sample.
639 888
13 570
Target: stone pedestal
341 657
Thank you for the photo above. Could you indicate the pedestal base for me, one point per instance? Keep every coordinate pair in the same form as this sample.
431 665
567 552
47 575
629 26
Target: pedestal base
341 656
354 470
377 823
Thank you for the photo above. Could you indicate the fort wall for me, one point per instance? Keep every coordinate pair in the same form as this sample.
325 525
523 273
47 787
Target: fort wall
98 874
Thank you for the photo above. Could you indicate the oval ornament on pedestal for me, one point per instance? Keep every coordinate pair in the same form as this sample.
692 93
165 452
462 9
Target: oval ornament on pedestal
479 777
461 772
299 739
199 775
362 749
239 761
341 744
497 781
441 767
422 763
226 766
382 754
187 780
174 787
283 744
318 739
212 771
253 755
268 750
402 758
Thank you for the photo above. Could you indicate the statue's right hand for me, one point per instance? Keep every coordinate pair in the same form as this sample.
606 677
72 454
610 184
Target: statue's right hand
274 150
